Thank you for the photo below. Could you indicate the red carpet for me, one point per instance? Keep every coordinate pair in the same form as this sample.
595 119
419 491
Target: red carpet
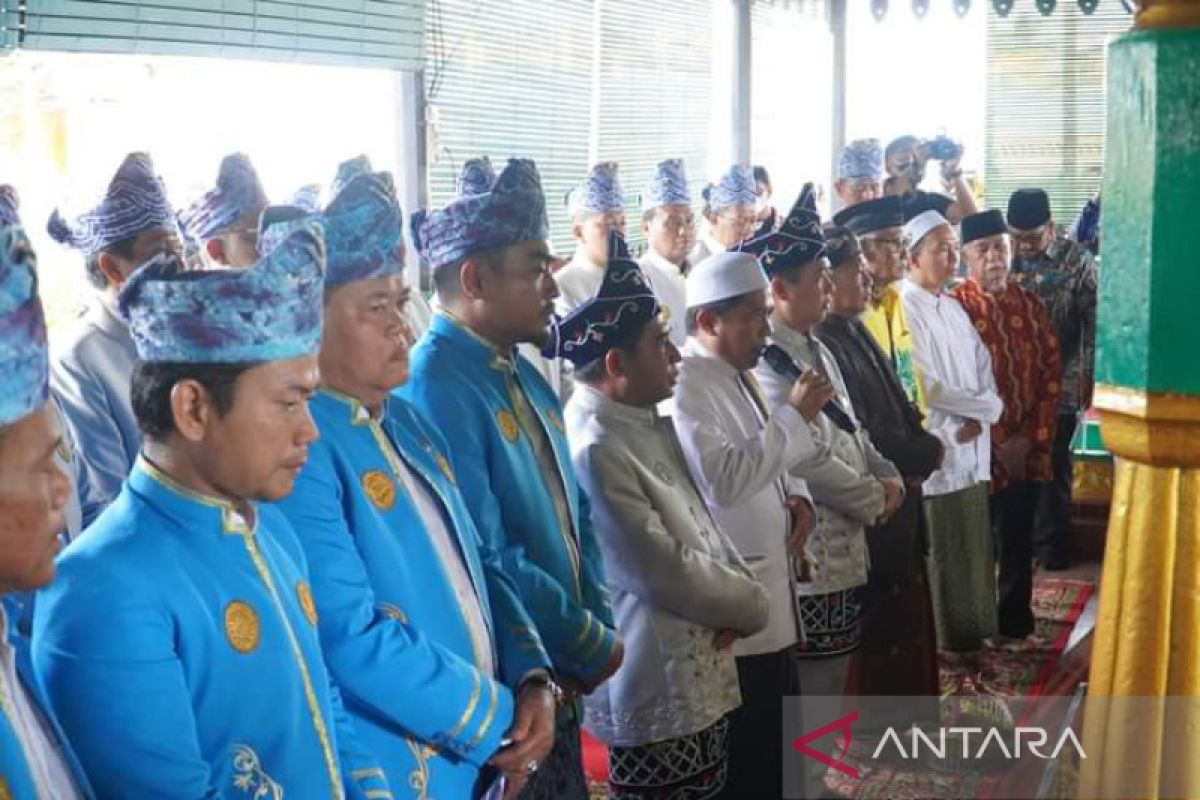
1018 669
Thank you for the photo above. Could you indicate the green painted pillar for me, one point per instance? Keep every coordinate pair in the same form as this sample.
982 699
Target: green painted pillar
1147 641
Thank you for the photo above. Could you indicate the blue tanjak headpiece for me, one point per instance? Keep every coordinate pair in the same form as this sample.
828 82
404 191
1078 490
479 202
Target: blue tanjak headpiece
364 230
478 176
798 240
135 202
513 211
861 160
237 193
307 197
269 312
668 187
735 188
600 193
24 359
621 306
9 203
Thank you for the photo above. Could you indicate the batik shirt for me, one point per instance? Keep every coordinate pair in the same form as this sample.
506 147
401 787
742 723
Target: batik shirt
1020 338
1064 277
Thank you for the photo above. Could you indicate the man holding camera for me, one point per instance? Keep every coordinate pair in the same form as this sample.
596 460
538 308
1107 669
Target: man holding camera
906 159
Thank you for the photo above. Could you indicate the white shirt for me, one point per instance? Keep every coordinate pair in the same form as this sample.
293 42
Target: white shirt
740 464
955 370
448 551
50 774
577 282
667 281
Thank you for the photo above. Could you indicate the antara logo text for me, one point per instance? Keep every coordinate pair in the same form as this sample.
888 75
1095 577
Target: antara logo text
966 742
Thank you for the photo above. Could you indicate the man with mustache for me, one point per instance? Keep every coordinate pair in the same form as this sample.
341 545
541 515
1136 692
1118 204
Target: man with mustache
504 428
1015 328
35 759
416 616
681 593
178 644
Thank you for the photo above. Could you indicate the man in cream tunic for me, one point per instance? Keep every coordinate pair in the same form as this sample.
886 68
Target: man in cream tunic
681 593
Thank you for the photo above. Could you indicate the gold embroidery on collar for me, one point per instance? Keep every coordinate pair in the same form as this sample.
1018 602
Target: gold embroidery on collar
231 520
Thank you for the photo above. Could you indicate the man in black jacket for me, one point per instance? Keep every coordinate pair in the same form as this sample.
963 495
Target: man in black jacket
899 654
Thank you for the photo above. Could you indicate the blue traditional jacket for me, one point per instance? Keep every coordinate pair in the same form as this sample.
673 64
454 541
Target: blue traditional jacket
16 777
178 647
465 386
394 631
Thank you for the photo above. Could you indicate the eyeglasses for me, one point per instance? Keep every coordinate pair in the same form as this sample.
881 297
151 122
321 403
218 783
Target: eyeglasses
1029 238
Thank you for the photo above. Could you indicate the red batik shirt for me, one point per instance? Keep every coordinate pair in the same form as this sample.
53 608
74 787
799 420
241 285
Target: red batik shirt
1018 333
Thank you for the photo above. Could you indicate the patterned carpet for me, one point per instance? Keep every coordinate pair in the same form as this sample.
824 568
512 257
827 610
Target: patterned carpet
1013 669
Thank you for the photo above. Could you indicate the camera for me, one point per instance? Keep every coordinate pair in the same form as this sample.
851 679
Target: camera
943 148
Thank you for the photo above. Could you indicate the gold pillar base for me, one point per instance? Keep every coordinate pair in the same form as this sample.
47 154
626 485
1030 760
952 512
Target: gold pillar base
1162 430
1146 641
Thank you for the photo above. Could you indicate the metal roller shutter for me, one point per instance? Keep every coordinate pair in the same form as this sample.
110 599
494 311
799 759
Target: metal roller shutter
655 90
510 78
1046 102
372 33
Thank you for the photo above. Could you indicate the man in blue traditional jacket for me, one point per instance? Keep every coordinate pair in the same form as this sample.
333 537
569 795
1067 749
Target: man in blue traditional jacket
224 220
90 376
418 621
35 761
504 428
178 645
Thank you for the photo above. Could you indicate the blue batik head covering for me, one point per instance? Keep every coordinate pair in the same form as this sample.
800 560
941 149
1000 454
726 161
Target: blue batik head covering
798 240
478 176
238 192
620 307
736 187
24 359
307 197
9 203
348 170
668 187
269 312
600 193
364 230
136 201
513 211
861 160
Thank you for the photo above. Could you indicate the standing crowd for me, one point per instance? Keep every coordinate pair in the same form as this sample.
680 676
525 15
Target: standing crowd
273 527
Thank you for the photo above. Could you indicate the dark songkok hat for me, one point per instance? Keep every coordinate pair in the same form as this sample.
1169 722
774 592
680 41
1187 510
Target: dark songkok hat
1028 209
872 215
982 225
